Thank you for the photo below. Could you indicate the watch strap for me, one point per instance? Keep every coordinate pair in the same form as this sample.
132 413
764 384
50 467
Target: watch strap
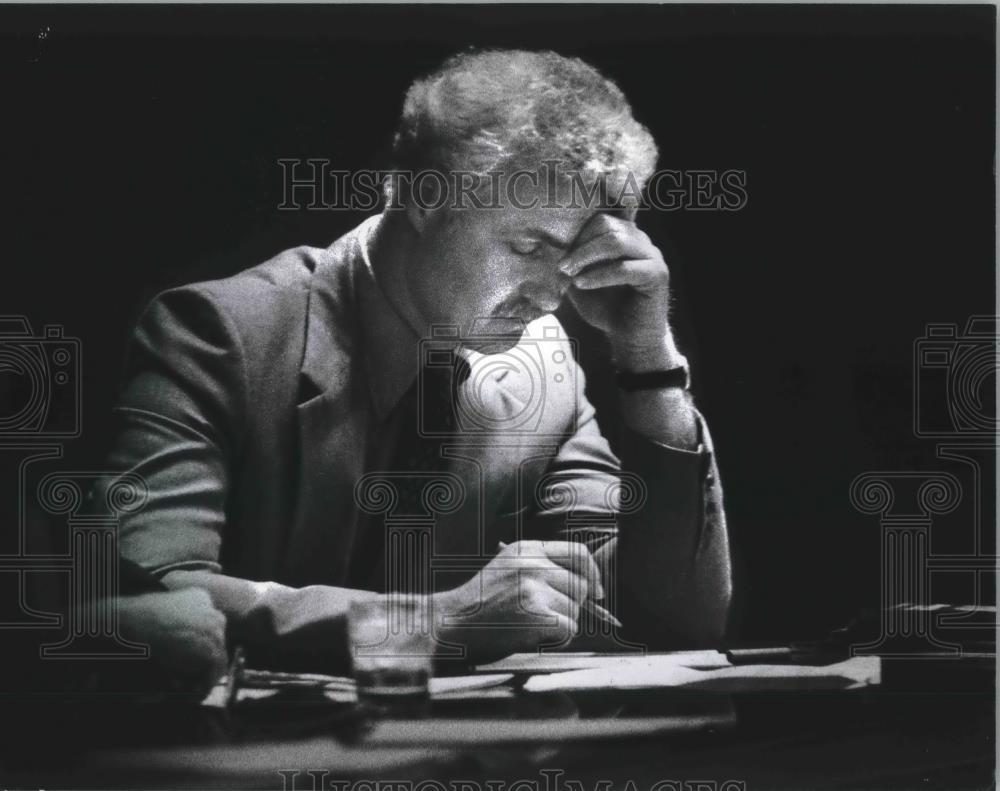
654 380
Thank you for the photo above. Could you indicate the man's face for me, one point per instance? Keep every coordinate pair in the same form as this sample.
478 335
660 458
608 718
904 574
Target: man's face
491 271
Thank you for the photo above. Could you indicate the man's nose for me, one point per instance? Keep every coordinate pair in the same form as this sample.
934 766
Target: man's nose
554 290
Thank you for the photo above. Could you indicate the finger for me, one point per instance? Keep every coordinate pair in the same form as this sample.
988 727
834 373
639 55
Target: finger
598 225
629 213
532 565
557 577
607 248
561 604
217 637
546 604
576 557
220 664
193 598
568 556
636 273
615 239
564 629
217 660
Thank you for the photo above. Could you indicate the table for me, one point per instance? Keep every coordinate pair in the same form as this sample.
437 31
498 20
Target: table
939 736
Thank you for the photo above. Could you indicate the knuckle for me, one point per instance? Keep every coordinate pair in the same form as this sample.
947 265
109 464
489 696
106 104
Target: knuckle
198 597
537 603
564 627
532 589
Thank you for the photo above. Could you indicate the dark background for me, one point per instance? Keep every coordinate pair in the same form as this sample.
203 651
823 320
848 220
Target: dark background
141 145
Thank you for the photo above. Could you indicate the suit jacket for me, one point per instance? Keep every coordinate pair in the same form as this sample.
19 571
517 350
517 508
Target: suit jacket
259 410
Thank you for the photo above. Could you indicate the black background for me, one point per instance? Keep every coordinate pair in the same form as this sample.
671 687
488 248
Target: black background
141 145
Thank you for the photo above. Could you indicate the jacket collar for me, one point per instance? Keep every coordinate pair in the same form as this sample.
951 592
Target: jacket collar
392 347
352 322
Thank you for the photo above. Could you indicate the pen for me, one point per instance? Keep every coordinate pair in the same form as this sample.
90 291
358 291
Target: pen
234 677
602 614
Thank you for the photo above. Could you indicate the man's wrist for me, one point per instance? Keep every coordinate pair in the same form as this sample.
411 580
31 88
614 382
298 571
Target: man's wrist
659 356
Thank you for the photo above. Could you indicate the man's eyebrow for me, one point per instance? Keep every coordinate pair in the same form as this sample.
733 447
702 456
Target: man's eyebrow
554 241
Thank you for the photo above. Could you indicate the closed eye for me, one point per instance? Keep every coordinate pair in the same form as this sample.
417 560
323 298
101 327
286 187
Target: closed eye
527 247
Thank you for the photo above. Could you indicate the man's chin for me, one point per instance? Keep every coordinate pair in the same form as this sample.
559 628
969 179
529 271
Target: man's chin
497 344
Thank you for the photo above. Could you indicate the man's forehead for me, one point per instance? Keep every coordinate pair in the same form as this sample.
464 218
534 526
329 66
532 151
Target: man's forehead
557 226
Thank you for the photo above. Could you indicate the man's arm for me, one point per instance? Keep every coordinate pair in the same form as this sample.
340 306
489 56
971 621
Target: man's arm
672 557
668 561
673 553
181 419
662 414
663 421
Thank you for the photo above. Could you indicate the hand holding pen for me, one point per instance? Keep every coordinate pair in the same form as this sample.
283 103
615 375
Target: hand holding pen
589 604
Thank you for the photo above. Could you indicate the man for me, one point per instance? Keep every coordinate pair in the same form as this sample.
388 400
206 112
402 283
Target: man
283 418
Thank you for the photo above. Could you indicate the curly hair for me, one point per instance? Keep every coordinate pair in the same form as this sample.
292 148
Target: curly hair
502 110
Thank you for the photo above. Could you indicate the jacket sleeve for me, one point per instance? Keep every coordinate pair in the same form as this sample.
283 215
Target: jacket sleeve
179 427
656 522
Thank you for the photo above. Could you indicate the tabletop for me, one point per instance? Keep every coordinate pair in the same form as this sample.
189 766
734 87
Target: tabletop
912 735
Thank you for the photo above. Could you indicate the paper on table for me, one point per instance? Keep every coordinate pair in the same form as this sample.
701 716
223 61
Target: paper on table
343 689
449 684
552 663
856 672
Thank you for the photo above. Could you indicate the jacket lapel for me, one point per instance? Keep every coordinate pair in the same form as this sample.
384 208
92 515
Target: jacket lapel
332 427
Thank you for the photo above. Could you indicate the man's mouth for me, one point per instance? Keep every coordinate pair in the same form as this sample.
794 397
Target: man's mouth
519 309
504 326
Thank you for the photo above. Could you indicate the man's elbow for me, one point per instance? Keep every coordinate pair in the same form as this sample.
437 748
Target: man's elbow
696 618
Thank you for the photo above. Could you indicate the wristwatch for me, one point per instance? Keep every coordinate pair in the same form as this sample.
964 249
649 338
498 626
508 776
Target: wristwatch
679 376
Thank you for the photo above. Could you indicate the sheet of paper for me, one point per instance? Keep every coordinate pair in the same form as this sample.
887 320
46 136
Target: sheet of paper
451 684
556 662
859 671
343 689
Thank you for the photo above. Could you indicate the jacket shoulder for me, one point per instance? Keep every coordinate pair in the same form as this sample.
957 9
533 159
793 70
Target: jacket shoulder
264 310
263 293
